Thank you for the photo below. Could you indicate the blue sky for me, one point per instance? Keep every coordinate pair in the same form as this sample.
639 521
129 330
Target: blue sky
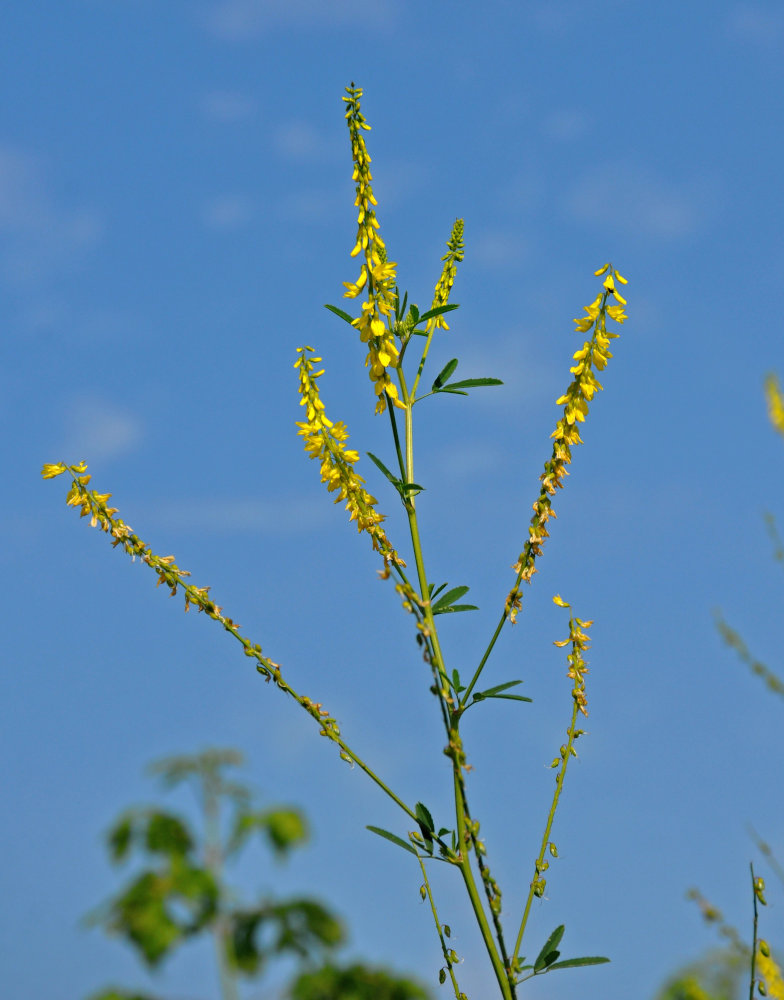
176 207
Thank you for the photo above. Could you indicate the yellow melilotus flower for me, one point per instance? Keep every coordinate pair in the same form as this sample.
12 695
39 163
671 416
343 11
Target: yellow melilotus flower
775 400
594 354
326 441
770 972
455 251
580 643
377 273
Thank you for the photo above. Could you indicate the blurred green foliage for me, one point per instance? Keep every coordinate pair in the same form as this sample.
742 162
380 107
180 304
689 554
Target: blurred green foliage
180 891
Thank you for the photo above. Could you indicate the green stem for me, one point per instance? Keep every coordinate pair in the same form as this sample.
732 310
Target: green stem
536 883
754 938
494 910
396 436
485 657
449 956
473 893
423 359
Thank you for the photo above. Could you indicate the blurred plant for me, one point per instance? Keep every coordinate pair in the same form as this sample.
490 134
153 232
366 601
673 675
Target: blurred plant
355 982
181 892
720 975
389 328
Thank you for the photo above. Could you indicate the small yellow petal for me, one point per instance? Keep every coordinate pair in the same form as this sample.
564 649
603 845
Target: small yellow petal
50 471
561 602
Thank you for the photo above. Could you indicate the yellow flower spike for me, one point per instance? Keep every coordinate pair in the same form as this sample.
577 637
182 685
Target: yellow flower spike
378 274
326 441
592 356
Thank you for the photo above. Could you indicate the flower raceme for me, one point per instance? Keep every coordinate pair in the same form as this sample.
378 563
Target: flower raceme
455 251
94 505
594 354
327 441
377 273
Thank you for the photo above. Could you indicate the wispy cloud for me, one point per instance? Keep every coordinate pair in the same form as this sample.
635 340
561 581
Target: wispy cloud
241 20
299 140
469 461
227 212
759 24
228 106
40 236
566 125
96 429
512 356
500 248
230 515
633 199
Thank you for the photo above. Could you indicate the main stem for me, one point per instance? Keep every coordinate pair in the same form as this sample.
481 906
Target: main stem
463 839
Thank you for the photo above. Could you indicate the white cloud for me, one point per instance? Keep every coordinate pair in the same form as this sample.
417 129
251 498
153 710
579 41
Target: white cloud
300 141
311 206
39 235
225 516
555 15
757 24
227 212
239 20
97 429
469 461
228 106
632 199
497 249
512 357
566 125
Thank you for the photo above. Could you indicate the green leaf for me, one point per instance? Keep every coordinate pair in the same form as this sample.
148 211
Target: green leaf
414 310
500 687
444 374
377 462
119 838
339 312
495 692
545 956
392 838
508 697
434 593
456 607
454 392
449 598
573 963
411 487
437 311
472 383
424 817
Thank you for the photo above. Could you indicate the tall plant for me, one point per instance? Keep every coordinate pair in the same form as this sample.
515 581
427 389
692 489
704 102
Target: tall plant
398 337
